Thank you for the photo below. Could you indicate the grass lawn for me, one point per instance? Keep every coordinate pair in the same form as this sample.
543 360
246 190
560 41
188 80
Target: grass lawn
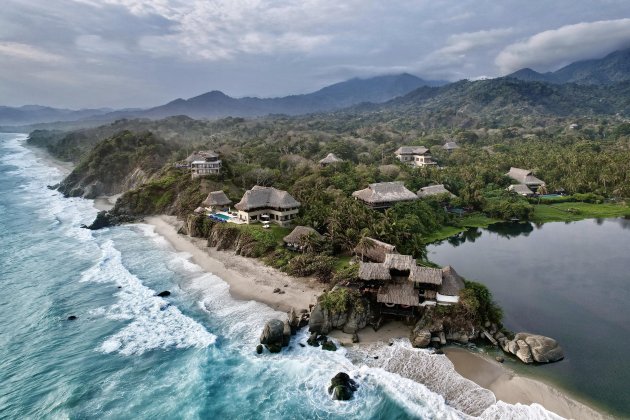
569 212
275 231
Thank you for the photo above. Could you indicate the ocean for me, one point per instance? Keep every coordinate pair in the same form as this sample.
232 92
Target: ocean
132 354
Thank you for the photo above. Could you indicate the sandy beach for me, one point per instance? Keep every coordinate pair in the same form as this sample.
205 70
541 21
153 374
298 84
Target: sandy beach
248 278
512 388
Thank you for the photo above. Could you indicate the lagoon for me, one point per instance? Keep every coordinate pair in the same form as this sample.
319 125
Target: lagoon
569 281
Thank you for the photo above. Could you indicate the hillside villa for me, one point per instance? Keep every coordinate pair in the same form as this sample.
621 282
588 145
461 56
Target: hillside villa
433 190
267 204
416 156
521 189
330 159
204 163
384 194
400 285
525 177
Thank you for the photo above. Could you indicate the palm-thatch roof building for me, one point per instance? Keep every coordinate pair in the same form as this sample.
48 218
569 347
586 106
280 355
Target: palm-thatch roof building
267 204
449 146
374 250
204 163
433 190
399 283
297 238
414 156
525 177
217 200
384 194
452 285
330 159
520 189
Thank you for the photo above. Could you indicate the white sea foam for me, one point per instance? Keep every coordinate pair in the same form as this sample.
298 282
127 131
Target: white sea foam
154 322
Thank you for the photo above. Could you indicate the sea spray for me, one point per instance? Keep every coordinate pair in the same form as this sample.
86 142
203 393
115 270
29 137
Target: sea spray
154 322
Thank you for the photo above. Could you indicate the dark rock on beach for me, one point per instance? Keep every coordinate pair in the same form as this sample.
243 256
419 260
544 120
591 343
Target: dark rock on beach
273 336
342 387
165 293
107 219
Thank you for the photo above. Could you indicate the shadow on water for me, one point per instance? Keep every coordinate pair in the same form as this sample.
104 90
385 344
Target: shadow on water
503 229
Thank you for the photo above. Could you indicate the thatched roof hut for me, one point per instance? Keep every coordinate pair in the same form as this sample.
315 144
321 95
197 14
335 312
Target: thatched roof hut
373 271
330 159
299 233
434 190
374 250
521 189
399 262
450 146
425 275
399 294
384 194
524 176
452 283
217 199
411 150
266 197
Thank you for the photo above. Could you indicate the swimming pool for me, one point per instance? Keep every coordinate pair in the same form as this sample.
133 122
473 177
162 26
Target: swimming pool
223 217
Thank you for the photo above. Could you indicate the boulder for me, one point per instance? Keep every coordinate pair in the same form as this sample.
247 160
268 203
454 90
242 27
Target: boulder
312 340
442 337
329 345
286 334
543 349
355 338
523 352
357 319
318 322
500 359
342 387
420 338
72 318
165 293
458 336
259 349
273 335
294 320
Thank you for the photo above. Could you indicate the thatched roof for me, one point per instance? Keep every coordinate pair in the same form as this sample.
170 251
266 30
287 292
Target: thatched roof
450 145
217 198
521 189
399 262
373 271
411 150
261 197
452 283
524 176
201 156
385 192
434 190
426 275
375 250
299 233
330 158
399 293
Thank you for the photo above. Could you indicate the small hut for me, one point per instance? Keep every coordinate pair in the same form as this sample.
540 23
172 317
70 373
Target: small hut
449 146
452 285
296 239
384 194
427 280
374 250
217 200
526 177
402 294
433 190
330 159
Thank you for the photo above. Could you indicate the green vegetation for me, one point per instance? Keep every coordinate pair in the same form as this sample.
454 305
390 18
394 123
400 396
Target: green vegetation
573 211
341 300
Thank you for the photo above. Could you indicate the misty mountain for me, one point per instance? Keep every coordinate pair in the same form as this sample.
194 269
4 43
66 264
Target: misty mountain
613 68
33 114
216 104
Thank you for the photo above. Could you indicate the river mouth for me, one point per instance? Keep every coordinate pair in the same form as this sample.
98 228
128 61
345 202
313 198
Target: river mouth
568 281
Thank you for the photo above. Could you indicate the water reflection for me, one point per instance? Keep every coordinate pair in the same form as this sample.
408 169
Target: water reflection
503 229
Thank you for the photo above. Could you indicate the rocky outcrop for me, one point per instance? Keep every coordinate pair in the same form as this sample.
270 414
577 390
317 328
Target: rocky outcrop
440 329
350 313
530 348
342 387
274 335
108 218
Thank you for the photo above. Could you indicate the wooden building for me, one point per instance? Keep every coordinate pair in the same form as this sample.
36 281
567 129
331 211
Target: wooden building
416 156
267 203
383 195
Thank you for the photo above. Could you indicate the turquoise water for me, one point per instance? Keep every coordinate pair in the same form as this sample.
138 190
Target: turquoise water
221 216
569 281
131 354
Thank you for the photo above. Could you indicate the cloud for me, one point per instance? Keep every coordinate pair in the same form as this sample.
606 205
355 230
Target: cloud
25 52
550 50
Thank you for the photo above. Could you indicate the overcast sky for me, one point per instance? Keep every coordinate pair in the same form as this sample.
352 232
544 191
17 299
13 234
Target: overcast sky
119 53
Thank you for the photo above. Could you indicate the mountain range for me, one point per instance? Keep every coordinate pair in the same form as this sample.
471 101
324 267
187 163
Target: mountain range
613 68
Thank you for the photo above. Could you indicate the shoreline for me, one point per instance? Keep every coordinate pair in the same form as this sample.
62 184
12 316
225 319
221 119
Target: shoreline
513 388
250 279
